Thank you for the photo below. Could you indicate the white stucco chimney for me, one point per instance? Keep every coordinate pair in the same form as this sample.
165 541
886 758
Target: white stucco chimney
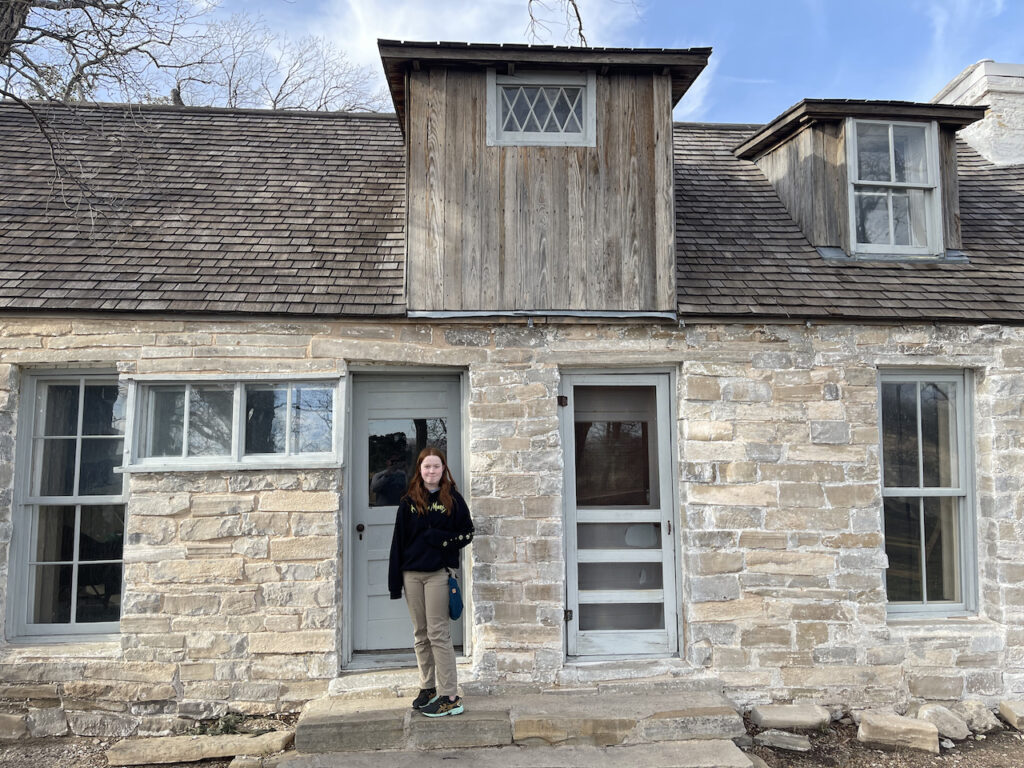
999 138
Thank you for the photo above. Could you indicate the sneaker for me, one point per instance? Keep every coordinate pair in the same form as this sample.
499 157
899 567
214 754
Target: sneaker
442 706
426 696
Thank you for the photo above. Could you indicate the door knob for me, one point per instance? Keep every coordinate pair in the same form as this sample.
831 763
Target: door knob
359 529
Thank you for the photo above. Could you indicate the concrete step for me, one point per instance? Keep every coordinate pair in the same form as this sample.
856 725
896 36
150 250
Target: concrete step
705 753
588 718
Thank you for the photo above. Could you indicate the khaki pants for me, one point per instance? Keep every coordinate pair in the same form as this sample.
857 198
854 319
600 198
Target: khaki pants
426 593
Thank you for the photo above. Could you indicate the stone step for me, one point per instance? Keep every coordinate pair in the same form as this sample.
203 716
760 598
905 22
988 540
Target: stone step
588 718
704 753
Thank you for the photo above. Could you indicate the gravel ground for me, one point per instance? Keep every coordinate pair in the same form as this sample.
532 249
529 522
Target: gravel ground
836 748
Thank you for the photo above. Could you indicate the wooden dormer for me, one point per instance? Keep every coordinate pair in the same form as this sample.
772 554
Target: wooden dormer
819 169
506 216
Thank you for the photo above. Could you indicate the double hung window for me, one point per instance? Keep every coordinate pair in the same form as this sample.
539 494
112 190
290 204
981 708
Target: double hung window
927 509
894 188
236 422
541 109
70 522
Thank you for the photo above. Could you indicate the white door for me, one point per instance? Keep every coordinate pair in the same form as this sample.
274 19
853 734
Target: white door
621 582
393 419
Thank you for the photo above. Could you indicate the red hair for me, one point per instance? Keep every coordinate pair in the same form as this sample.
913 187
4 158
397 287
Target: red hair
417 491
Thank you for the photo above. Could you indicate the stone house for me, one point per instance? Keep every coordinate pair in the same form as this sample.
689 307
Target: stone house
729 403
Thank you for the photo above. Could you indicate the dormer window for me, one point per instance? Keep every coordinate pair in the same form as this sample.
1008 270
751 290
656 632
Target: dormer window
541 109
894 188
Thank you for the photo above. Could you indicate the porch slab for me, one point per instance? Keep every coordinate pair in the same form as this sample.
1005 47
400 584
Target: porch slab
704 753
580 718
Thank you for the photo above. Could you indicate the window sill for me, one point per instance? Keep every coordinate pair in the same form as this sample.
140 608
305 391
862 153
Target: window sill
231 466
832 254
951 624
48 647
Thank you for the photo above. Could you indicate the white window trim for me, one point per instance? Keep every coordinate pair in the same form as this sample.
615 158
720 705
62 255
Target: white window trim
966 491
586 80
19 584
135 461
933 208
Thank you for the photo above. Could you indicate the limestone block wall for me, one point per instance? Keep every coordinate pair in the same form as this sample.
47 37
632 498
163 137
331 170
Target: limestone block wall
785 562
233 579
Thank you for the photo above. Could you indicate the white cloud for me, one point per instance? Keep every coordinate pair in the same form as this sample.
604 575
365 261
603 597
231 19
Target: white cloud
956 27
355 25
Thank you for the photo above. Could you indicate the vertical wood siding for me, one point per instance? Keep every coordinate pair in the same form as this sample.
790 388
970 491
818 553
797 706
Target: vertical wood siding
809 175
536 228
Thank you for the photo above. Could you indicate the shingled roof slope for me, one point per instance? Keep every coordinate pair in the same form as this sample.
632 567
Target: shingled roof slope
203 210
739 252
206 210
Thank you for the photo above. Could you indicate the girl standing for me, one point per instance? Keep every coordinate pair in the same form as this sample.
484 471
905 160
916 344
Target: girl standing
431 526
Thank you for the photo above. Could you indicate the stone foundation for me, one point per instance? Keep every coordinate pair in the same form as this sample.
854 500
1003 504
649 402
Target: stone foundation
233 580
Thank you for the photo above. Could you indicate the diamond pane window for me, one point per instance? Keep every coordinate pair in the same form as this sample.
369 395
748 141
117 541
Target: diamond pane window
536 110
541 109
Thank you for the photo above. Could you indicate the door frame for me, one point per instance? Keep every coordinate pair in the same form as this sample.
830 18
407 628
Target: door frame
627 377
345 518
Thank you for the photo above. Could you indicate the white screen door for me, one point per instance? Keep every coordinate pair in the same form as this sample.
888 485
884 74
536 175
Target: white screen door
621 583
393 419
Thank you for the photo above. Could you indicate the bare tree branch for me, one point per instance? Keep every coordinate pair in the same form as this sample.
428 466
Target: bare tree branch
538 25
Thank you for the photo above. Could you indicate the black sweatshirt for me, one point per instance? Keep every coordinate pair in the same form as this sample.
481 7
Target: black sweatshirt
427 542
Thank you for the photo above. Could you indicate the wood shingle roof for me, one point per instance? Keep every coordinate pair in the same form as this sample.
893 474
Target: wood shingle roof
303 214
203 210
739 252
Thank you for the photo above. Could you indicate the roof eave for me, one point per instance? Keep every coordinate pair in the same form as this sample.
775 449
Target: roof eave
397 57
811 111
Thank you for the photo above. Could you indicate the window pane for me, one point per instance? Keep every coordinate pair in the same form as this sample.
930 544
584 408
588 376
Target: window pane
55 534
521 108
899 434
265 414
56 468
99 593
542 108
99 458
61 403
612 464
167 409
508 120
941 548
620 575
393 447
909 153
873 153
909 218
102 533
615 436
209 420
872 216
903 547
51 602
621 616
312 419
104 410
938 435
618 536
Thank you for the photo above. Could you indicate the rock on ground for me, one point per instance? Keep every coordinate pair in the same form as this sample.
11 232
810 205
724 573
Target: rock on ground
950 724
978 717
892 731
782 740
794 716
183 749
1013 713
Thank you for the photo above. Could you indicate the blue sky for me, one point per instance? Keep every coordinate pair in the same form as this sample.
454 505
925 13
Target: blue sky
767 54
